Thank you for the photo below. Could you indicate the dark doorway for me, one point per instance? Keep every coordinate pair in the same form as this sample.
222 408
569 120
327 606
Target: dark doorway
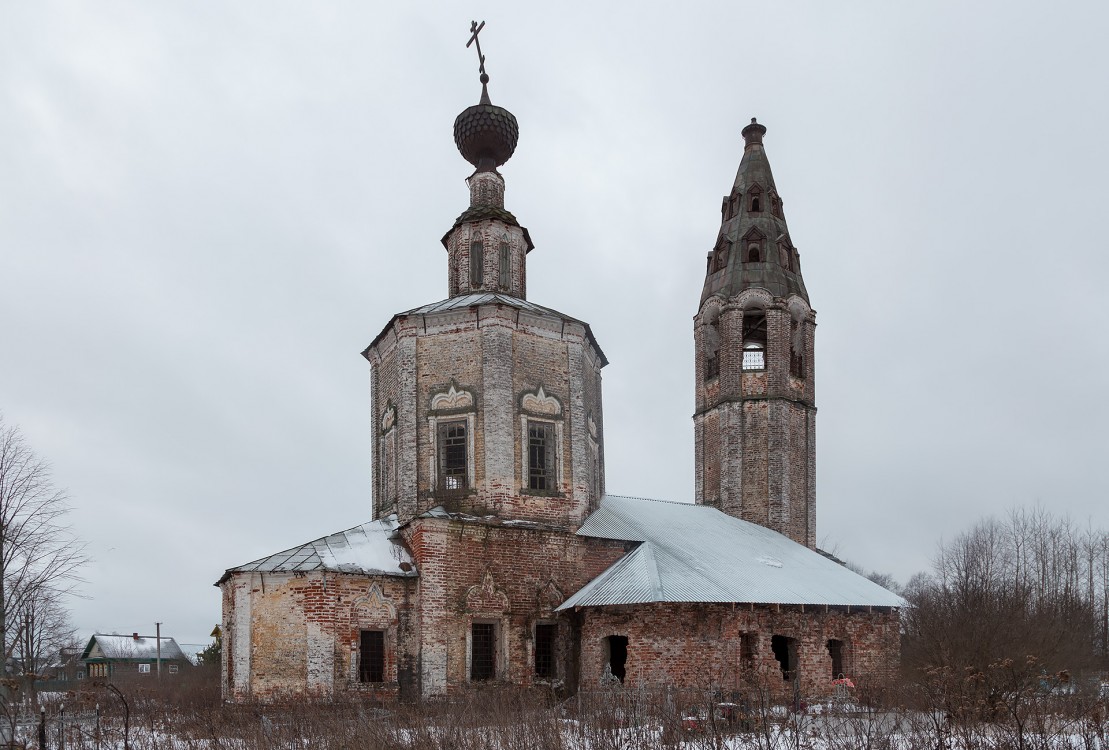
617 648
785 651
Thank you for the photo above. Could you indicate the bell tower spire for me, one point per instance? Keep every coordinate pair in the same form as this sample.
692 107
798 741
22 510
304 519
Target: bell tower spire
755 419
486 248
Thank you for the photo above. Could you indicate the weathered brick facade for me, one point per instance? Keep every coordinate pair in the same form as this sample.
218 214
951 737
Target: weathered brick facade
488 456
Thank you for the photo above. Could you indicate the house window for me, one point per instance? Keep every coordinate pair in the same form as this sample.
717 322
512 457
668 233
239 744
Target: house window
483 651
754 341
80 674
476 263
541 456
546 634
616 655
144 669
453 464
506 265
371 656
173 669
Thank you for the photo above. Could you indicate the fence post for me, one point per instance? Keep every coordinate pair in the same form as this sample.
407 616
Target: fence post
42 727
61 728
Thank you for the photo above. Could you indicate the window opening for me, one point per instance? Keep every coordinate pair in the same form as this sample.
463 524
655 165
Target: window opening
835 652
506 265
754 341
546 634
371 656
753 253
476 263
617 648
785 651
541 460
483 651
452 456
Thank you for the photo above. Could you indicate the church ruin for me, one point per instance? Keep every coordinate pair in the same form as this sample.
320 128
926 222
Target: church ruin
495 554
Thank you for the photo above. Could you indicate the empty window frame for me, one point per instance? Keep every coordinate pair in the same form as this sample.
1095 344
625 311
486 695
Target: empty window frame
477 263
546 636
371 656
453 461
835 654
785 652
541 456
483 651
616 655
754 340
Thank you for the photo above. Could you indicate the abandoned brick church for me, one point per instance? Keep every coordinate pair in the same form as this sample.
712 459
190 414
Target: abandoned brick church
495 555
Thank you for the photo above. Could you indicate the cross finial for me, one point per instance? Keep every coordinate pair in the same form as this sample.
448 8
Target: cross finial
475 29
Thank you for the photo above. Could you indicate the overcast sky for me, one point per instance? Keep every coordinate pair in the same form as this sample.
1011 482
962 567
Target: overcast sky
208 209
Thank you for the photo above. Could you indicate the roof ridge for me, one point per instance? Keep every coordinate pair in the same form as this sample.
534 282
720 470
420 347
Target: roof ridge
656 500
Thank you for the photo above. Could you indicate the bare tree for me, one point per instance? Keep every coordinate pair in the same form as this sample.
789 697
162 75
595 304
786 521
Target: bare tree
39 555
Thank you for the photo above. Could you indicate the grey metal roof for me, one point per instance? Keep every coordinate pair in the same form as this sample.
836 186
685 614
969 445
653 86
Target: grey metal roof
694 553
373 548
129 647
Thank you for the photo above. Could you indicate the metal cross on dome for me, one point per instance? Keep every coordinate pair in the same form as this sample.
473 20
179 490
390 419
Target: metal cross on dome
475 29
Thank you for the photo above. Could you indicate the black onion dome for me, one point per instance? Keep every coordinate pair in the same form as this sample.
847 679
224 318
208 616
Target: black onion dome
486 134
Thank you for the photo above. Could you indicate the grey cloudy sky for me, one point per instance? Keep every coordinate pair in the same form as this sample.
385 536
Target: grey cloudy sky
208 209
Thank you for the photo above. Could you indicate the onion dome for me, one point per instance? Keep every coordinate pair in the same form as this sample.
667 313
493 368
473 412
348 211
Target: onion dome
486 134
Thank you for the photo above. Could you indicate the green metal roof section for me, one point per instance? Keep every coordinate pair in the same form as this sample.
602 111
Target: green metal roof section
765 226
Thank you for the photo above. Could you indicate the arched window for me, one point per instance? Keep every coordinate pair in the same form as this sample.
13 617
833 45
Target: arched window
796 350
754 255
506 265
477 271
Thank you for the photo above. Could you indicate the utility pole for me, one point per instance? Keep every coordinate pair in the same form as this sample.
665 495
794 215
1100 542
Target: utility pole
158 642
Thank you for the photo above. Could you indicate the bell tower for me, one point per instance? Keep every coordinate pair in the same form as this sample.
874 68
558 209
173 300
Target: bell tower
755 418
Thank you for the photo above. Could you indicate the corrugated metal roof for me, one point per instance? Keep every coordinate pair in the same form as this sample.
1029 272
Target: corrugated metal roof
129 647
372 548
694 553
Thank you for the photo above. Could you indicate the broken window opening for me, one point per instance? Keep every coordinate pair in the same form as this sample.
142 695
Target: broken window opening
785 652
453 466
477 272
754 340
616 655
835 652
371 656
483 651
546 634
541 457
754 254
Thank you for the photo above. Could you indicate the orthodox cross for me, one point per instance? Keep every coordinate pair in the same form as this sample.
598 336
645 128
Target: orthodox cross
475 29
